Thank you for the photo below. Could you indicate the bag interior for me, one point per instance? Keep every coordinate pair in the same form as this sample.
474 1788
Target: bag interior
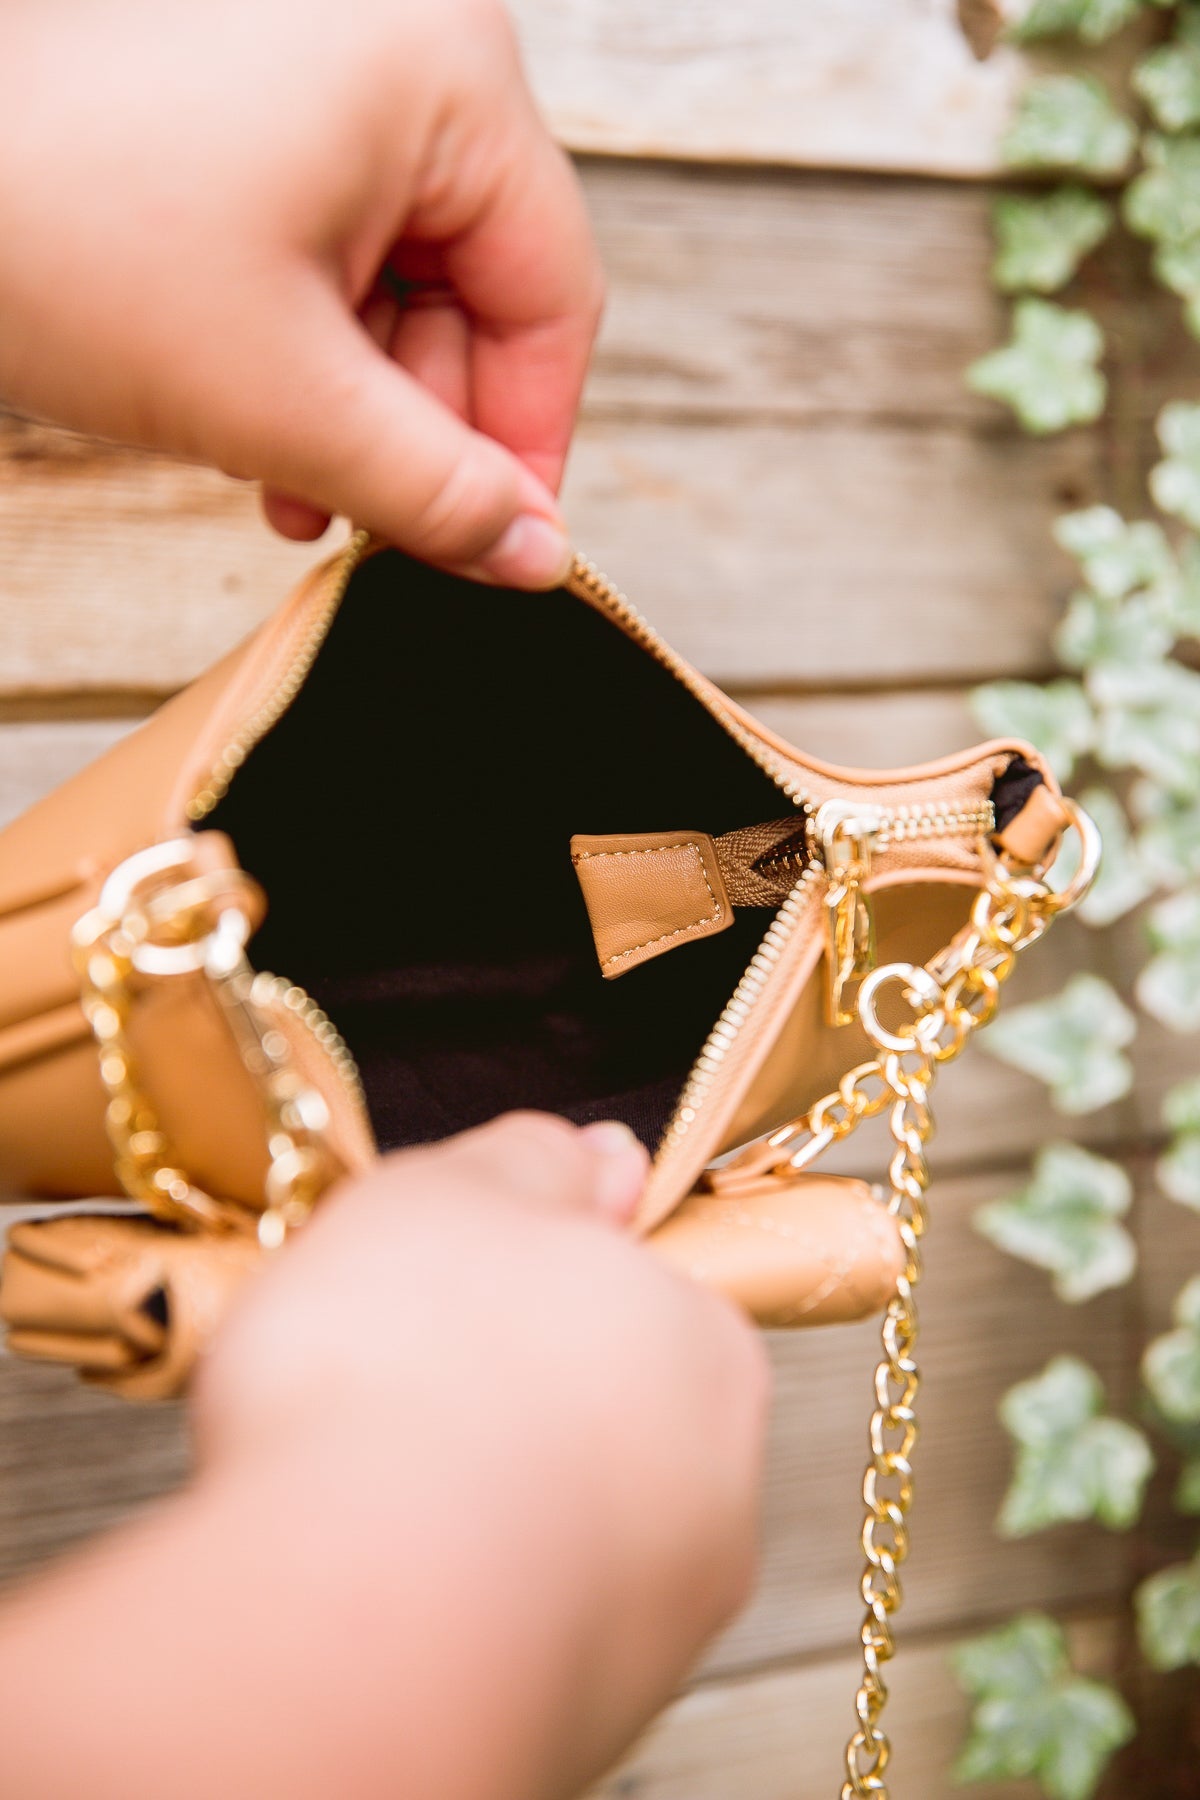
410 818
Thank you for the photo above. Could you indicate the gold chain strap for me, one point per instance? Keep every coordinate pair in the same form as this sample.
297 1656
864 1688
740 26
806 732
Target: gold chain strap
157 916
950 998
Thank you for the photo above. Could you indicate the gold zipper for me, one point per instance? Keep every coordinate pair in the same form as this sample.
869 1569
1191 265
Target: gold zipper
587 583
888 826
733 1020
272 709
268 990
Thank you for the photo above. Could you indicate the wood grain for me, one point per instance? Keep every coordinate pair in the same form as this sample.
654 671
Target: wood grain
74 1460
785 293
780 1735
771 82
836 555
751 547
125 571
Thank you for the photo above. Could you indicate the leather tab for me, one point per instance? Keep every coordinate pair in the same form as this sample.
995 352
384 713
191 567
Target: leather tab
131 1303
815 1250
648 892
1032 836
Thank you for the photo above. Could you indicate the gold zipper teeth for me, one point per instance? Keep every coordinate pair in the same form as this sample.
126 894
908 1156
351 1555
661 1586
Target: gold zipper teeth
586 581
745 997
586 576
903 824
276 990
281 696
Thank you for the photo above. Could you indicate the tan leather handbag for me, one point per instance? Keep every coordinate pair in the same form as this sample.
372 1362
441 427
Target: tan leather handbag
502 850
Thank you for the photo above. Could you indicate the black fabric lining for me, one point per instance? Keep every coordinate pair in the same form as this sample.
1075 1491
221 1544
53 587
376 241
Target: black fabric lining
410 818
1012 788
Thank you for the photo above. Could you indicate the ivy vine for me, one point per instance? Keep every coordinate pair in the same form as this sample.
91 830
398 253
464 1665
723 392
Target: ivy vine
1124 716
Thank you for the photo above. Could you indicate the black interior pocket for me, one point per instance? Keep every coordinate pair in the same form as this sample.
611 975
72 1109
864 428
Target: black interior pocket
410 819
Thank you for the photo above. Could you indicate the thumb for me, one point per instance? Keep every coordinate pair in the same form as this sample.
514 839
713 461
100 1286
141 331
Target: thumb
542 1160
347 431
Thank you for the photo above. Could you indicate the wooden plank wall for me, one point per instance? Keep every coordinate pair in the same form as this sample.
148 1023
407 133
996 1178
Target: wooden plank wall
779 461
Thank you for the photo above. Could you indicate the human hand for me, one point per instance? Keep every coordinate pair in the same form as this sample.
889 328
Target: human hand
531 1445
204 211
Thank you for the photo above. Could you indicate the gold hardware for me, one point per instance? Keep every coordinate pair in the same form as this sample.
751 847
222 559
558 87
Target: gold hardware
157 917
954 994
847 836
950 998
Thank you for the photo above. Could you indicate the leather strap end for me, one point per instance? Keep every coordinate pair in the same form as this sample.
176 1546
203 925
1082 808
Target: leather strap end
816 1250
1032 836
128 1302
649 892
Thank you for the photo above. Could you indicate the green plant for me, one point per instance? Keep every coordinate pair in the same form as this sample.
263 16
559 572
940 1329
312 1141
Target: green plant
1125 713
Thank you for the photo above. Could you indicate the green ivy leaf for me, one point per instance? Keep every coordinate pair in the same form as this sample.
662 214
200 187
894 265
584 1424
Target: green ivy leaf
1072 1042
1181 1106
1069 122
1122 881
1041 242
1168 1615
1094 631
1169 984
1067 1221
1177 600
1034 1718
1177 265
1054 716
1116 558
1162 202
1168 80
1019 1658
1171 1363
1091 20
1073 1462
1148 718
1187 1488
1168 843
1175 482
1178 1171
1047 373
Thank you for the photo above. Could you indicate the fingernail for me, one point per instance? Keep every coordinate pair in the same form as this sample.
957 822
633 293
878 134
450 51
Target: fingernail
621 1164
533 553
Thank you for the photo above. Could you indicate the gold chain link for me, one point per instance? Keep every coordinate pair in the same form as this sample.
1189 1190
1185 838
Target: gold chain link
950 998
157 916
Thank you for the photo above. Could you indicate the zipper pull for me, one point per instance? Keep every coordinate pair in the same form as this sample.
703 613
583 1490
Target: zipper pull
847 834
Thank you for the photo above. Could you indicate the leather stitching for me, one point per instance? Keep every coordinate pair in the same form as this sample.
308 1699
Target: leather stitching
709 918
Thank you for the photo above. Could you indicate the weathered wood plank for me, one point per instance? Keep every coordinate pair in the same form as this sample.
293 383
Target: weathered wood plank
873 555
785 293
74 1460
781 1735
125 571
833 555
771 82
35 757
